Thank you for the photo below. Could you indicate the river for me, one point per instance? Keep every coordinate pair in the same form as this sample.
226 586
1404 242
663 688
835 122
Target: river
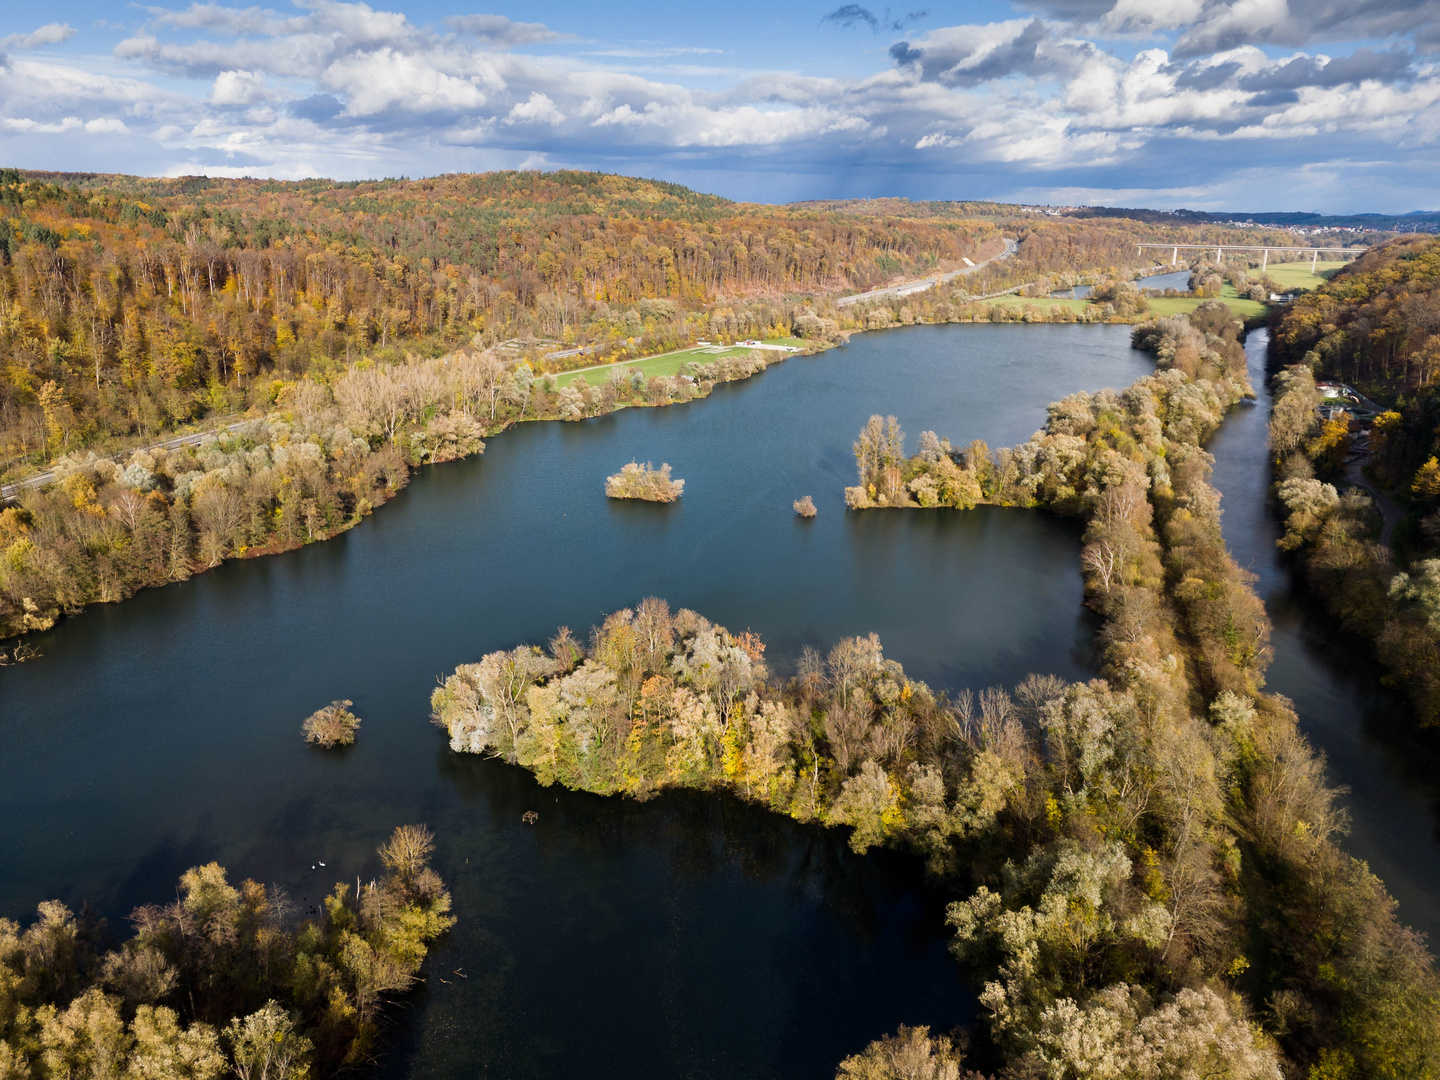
1394 778
687 936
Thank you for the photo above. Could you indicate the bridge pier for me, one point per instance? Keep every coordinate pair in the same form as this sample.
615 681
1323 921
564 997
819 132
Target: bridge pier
1314 260
1174 256
1265 259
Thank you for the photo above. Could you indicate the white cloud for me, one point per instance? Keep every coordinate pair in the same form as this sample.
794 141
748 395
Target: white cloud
351 89
214 17
238 88
1147 16
49 34
497 31
537 109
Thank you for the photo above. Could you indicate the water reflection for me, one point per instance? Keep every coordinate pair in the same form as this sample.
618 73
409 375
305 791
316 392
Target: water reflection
612 939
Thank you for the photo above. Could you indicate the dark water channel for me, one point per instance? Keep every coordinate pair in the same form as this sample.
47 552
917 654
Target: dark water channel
1394 779
685 937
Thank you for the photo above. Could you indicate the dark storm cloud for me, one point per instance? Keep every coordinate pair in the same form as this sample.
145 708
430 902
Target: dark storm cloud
1278 84
1391 66
1228 24
967 56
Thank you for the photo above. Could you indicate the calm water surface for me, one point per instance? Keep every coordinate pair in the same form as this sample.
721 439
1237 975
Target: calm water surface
1175 279
1394 779
688 936
1178 279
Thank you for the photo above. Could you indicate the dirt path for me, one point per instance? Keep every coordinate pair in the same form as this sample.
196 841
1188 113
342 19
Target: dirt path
9 491
1390 512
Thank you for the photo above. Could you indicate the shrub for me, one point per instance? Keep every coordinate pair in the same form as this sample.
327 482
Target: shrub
334 725
646 482
805 507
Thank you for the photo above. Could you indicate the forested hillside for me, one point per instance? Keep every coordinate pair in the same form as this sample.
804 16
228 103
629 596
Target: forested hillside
1375 326
130 305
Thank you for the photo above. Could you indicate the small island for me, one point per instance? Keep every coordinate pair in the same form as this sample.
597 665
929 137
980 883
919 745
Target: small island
636 481
805 507
334 725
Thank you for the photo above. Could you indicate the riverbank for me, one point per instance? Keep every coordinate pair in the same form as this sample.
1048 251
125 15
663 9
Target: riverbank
113 535
1344 552
1185 638
104 529
124 765
422 412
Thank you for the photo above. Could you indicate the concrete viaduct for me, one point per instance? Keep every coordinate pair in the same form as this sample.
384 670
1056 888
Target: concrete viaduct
1220 250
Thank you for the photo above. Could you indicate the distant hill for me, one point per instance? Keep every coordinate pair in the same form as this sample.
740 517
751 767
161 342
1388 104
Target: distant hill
129 305
1414 222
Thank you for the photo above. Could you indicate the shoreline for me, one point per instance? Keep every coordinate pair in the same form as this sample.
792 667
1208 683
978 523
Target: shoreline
382 495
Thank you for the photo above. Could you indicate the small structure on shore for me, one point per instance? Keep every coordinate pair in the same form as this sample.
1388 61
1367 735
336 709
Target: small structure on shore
636 481
805 507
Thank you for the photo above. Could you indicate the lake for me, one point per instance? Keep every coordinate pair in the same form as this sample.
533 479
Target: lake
687 936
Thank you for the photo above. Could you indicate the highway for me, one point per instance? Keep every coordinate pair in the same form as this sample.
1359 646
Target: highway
908 287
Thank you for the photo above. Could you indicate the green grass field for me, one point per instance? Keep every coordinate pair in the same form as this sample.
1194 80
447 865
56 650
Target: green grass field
1296 276
1180 305
1161 305
665 363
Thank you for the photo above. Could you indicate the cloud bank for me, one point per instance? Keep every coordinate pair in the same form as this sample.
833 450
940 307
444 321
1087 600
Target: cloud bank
1307 103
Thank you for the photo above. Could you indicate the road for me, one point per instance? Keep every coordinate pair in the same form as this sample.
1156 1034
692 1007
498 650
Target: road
1390 512
9 491
907 287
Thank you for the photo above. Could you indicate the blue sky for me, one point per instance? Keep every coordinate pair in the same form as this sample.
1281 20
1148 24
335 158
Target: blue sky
1327 105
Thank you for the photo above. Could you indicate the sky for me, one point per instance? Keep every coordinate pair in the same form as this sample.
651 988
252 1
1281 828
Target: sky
1241 105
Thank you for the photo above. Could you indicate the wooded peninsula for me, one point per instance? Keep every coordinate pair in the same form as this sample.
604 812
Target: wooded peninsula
223 981
1149 862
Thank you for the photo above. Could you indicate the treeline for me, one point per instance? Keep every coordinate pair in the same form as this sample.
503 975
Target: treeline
1376 325
1151 879
323 460
223 981
1334 536
1202 357
129 306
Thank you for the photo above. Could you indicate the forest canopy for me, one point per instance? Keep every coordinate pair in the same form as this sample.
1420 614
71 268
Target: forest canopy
129 306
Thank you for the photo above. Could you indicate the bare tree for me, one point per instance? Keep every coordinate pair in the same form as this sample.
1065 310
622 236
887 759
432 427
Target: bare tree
1101 559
